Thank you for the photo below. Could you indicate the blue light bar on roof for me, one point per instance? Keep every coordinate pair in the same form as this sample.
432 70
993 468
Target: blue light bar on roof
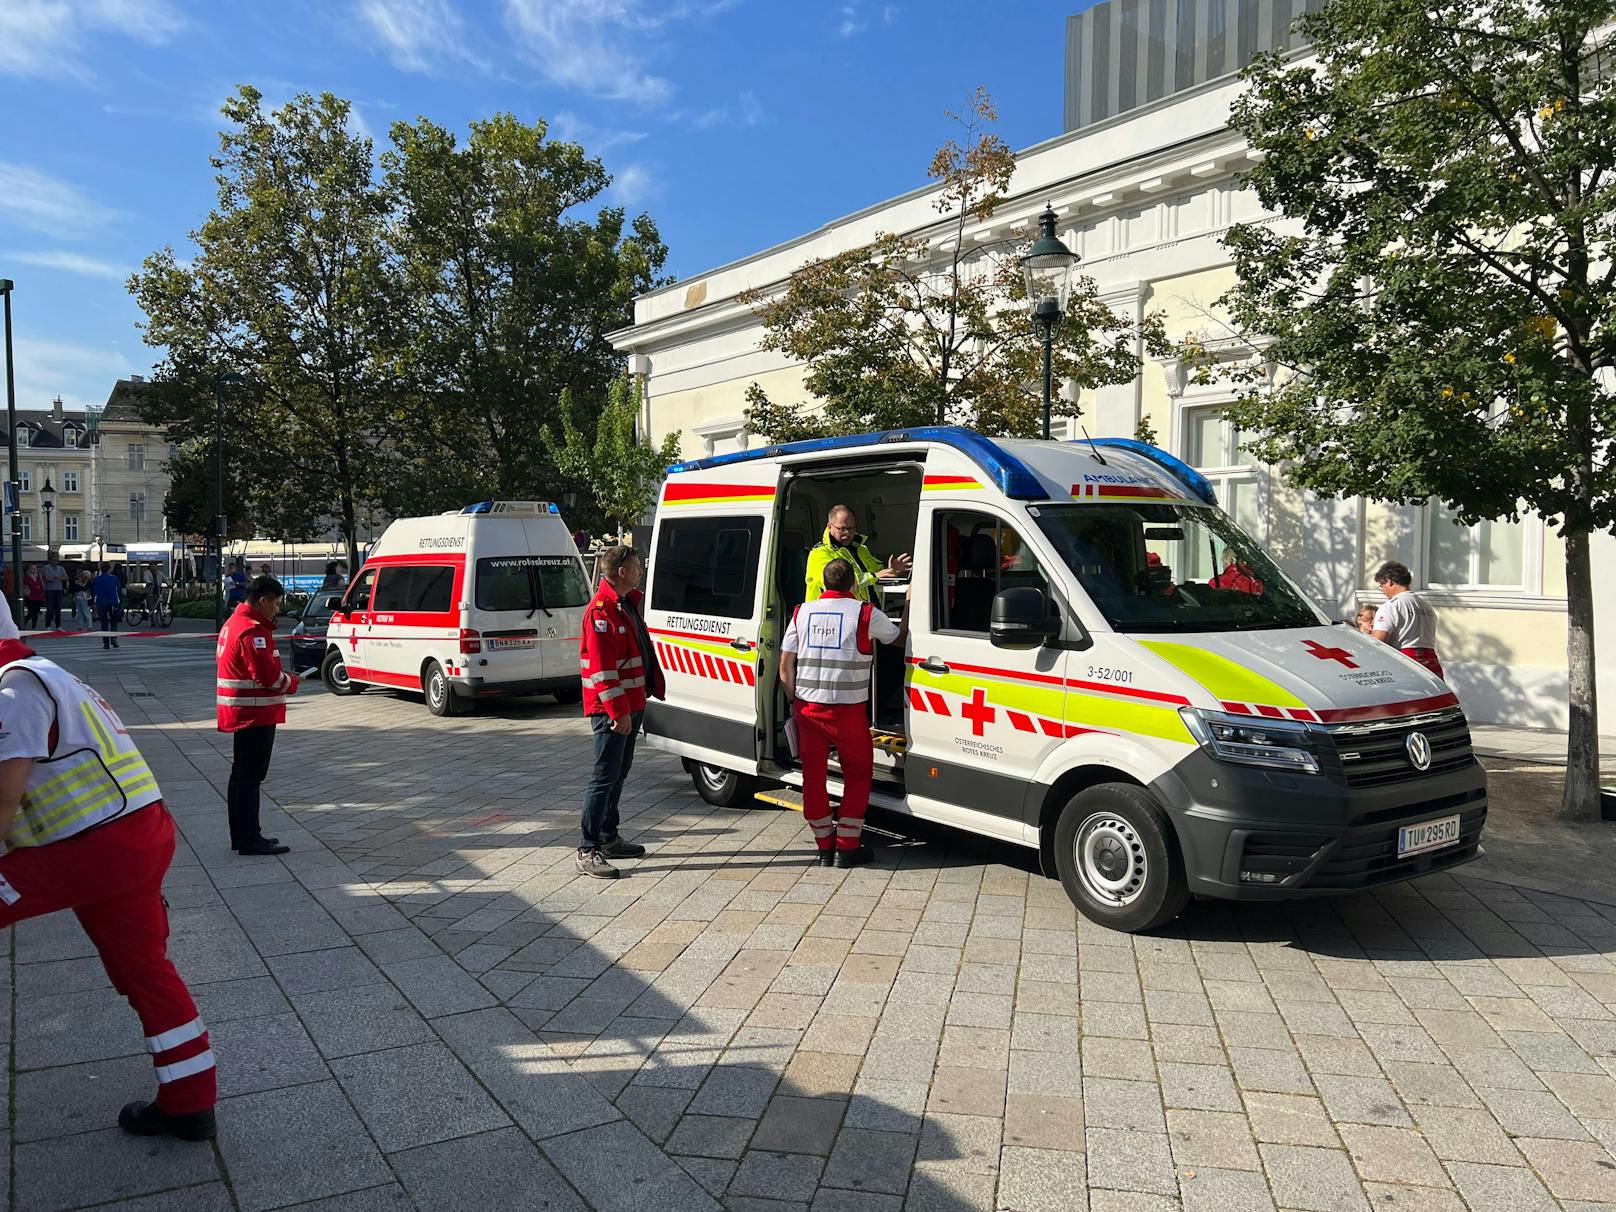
1014 478
1191 479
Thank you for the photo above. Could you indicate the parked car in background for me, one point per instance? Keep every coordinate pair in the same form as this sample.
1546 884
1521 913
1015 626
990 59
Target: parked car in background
308 634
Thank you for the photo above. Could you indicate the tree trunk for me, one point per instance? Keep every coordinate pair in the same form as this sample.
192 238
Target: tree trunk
1581 800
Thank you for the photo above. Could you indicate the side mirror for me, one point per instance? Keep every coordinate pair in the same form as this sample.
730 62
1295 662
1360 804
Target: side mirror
1023 617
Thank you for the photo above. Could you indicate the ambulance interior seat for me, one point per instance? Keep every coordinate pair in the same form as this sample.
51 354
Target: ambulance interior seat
976 583
791 569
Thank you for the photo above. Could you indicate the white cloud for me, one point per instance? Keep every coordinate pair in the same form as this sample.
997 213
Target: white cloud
850 24
80 374
36 201
633 185
595 140
72 263
599 46
46 37
423 36
751 109
889 14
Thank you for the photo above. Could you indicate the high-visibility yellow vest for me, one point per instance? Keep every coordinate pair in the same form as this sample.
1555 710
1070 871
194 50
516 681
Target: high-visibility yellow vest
94 771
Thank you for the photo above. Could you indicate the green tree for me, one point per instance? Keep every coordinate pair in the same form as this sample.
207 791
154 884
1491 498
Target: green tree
894 338
621 475
290 286
1442 300
511 289
191 502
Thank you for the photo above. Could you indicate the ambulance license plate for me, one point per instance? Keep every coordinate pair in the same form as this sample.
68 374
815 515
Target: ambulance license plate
496 645
1427 835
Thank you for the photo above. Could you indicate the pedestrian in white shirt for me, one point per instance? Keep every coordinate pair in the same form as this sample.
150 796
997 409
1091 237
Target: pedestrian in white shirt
1405 622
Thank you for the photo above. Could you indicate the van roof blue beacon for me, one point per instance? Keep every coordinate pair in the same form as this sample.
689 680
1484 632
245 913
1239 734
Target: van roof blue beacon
1013 477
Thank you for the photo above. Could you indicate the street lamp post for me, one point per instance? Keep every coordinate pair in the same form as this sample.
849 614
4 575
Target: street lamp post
47 502
219 380
6 285
1047 267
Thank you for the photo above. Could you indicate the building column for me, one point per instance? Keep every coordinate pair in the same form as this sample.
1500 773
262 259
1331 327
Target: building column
1117 406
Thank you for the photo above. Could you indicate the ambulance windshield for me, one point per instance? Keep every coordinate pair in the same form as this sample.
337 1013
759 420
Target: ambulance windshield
1173 568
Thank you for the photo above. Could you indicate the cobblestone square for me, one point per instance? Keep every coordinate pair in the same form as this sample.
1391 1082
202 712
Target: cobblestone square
423 1005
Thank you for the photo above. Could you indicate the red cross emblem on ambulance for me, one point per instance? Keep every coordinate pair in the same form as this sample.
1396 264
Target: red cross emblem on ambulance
1330 654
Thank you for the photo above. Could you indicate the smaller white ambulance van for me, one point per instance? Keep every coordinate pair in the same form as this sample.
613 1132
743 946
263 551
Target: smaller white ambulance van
1100 666
464 606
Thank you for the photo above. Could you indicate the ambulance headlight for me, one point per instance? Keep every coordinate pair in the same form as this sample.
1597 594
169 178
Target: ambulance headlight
1252 741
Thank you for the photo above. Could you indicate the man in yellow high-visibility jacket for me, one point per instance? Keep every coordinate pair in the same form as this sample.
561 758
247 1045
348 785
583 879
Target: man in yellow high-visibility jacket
842 541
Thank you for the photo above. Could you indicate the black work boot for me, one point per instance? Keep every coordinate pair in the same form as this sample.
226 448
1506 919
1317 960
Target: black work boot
617 848
146 1119
856 857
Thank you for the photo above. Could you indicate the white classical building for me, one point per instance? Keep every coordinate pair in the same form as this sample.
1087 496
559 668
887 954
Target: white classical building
1144 196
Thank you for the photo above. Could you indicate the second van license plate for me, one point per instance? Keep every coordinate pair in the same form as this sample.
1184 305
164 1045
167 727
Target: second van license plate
495 645
1427 835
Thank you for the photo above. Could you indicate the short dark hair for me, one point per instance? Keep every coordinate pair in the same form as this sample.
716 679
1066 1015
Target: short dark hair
1395 572
838 576
613 559
265 587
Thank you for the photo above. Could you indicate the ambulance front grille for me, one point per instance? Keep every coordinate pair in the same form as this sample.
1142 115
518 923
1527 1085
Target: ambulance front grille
1373 755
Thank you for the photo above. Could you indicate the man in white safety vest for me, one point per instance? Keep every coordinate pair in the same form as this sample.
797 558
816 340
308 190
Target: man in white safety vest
84 828
825 662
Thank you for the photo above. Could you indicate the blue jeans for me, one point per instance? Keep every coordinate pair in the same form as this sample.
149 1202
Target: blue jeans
614 758
53 608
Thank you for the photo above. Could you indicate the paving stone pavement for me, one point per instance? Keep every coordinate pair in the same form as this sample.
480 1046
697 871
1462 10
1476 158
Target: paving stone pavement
422 1005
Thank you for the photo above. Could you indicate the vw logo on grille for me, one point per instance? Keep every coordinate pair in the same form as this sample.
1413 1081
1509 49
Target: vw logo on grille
1419 750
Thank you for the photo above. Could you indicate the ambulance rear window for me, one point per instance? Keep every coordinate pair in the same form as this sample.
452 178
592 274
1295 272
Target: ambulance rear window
529 583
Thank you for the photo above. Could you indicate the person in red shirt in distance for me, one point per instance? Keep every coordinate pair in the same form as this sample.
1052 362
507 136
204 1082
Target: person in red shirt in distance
252 694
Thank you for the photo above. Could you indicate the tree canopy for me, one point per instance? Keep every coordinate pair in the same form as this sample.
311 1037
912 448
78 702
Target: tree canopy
1440 303
894 335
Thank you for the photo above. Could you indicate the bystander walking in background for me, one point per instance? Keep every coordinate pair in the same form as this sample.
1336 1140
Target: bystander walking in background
107 591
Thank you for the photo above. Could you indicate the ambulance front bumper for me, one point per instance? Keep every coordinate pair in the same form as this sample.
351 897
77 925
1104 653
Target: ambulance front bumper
1253 834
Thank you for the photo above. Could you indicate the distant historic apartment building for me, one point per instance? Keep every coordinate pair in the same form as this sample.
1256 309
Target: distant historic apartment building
1145 181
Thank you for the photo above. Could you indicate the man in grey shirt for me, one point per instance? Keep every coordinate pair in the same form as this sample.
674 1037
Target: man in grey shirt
55 577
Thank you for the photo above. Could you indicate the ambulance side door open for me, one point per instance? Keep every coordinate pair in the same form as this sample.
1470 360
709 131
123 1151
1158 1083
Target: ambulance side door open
981 717
705 616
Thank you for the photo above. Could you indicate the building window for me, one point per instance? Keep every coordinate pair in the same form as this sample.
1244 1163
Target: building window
137 507
70 528
1488 555
1212 445
70 481
27 526
26 476
70 436
137 457
25 435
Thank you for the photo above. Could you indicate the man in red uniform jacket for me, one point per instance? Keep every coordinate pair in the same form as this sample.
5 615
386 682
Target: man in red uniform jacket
83 827
253 689
619 669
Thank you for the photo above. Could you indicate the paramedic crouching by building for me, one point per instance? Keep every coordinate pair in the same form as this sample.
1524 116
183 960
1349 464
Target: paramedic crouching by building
619 669
825 662
1405 622
84 828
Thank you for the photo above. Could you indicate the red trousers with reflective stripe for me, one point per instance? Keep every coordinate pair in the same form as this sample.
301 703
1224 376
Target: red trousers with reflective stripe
847 727
111 877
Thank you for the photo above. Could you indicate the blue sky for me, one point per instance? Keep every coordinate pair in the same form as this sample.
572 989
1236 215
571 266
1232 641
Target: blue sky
735 123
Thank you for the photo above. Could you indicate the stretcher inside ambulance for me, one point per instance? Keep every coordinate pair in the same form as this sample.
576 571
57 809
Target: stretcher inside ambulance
1101 665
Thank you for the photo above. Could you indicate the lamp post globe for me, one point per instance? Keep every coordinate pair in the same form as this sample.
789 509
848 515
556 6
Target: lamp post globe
1047 268
47 502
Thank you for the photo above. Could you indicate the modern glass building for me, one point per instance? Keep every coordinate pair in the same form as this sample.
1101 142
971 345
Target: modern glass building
1127 53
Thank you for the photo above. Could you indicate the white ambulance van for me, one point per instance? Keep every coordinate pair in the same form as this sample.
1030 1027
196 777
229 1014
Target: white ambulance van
1100 666
464 606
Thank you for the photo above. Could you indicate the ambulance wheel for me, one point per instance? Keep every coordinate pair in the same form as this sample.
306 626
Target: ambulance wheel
440 696
1118 858
725 788
335 675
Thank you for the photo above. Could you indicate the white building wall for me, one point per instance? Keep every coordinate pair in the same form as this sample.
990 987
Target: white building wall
1144 200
